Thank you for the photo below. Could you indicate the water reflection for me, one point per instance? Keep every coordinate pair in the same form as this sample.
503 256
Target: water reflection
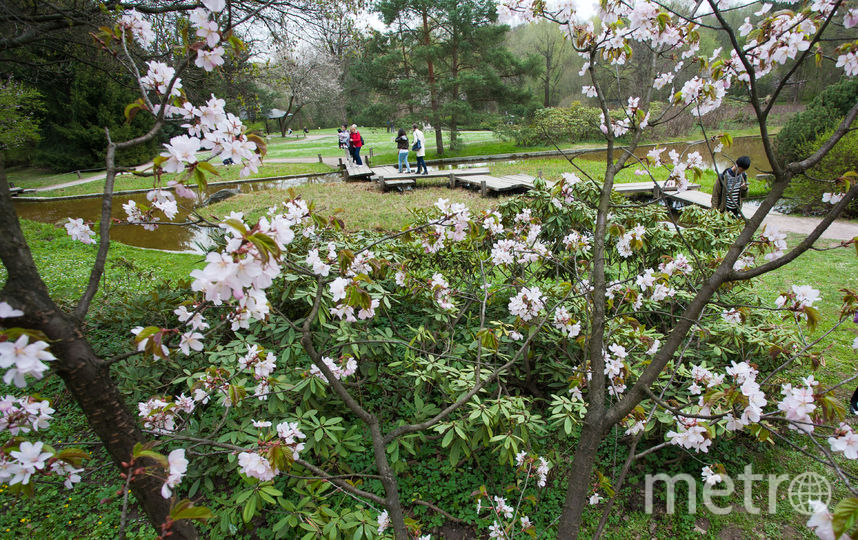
742 146
167 237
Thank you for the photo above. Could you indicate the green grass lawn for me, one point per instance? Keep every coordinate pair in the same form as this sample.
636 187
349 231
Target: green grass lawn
362 206
65 264
30 178
226 173
380 142
829 271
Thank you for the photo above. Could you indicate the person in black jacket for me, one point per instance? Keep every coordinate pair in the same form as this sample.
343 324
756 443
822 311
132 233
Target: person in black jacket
402 145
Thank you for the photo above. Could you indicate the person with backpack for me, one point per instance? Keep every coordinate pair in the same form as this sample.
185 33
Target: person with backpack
731 186
402 144
355 144
419 149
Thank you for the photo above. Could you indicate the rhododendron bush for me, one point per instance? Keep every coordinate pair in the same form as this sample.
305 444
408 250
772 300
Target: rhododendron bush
316 368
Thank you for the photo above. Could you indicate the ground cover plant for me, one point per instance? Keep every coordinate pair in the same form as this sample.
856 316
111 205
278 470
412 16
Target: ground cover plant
303 361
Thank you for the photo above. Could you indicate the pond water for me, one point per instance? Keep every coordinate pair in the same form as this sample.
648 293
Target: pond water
167 237
178 238
742 146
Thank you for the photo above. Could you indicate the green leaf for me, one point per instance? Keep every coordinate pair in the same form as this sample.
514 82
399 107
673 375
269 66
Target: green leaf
190 512
208 167
73 456
448 438
151 454
845 516
249 509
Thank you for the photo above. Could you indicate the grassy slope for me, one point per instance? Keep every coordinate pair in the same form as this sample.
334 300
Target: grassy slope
363 206
29 178
65 264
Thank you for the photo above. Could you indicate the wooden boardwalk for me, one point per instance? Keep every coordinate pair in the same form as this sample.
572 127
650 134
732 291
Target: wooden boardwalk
635 188
390 177
705 200
353 171
487 183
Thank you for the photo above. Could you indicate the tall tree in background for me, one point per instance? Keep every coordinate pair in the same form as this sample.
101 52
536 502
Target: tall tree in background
424 47
557 58
457 50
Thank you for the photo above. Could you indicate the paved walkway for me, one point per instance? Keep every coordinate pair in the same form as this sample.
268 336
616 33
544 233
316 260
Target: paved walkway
100 176
839 230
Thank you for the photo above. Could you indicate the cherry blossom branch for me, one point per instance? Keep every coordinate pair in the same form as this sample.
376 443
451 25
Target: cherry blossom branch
800 60
804 349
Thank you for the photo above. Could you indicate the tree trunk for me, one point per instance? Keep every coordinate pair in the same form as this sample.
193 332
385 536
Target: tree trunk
433 90
90 383
546 99
388 480
578 487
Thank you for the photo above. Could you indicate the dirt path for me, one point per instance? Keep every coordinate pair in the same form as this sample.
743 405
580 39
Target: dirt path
100 176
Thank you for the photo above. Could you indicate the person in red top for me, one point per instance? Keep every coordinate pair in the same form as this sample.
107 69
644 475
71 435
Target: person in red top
355 142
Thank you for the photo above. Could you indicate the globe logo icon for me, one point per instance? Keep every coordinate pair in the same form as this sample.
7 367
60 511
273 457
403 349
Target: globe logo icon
807 487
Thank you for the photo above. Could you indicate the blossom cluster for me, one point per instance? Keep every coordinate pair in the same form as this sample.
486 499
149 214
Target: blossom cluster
799 403
21 415
801 298
21 358
177 466
631 239
256 465
522 459
80 231
346 368
527 303
452 225
159 415
19 466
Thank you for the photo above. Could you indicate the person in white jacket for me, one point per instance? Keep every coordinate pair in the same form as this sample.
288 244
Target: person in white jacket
420 149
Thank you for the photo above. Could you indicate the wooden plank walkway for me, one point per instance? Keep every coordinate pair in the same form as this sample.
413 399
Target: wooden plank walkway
634 188
351 170
392 173
390 177
705 200
488 183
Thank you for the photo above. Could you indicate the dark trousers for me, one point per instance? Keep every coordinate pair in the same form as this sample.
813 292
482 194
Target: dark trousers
356 155
421 163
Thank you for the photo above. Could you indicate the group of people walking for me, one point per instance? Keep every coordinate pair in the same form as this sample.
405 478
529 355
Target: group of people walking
419 147
350 138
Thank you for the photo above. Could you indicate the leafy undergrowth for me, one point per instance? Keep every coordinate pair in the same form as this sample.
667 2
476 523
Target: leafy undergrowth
92 510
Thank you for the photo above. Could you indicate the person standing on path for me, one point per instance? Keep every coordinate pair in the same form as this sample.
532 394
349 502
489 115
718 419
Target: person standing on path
420 149
731 186
355 143
402 144
343 137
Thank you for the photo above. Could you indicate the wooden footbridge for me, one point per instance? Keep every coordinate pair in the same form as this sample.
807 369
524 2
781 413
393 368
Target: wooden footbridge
389 177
